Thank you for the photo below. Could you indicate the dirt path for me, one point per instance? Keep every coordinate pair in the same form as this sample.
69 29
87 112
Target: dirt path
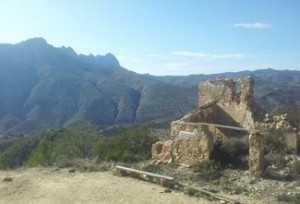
49 186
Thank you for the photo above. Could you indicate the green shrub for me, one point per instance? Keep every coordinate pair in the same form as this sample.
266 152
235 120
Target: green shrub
190 191
274 141
208 170
292 199
231 151
295 168
18 153
64 146
41 155
196 193
234 147
130 146
153 168
240 189
50 147
77 142
277 160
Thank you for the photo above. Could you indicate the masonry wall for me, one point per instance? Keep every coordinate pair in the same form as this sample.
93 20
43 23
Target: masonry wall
189 143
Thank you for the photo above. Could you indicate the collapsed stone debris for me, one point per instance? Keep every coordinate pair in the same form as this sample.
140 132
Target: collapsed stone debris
226 109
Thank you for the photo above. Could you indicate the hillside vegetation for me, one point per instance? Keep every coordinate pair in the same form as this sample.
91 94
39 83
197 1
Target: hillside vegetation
64 147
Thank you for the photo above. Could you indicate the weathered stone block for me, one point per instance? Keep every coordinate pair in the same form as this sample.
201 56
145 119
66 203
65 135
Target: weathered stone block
162 152
256 154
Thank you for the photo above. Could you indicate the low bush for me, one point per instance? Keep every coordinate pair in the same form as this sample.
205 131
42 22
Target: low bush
130 146
275 141
231 152
153 168
277 160
208 170
292 199
196 193
190 191
63 147
295 168
18 152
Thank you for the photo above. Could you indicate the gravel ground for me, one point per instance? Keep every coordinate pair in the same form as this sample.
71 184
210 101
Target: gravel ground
47 186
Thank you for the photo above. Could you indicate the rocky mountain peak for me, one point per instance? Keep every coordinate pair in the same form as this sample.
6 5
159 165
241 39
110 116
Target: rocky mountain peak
37 41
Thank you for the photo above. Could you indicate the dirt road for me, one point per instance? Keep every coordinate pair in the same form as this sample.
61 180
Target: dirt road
50 186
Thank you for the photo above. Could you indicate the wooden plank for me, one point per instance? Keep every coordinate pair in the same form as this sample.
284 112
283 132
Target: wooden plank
225 126
169 178
145 173
211 194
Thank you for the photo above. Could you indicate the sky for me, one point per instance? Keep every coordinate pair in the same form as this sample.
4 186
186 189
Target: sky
165 37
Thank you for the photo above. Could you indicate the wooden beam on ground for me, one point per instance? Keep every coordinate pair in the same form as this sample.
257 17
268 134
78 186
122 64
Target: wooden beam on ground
145 173
165 181
213 195
224 126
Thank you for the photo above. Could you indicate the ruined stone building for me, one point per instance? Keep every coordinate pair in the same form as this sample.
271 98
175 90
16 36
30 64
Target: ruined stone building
226 109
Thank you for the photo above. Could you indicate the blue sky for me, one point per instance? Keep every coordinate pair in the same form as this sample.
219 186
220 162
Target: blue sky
165 37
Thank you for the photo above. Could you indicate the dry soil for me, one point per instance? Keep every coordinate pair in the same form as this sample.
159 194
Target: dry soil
55 186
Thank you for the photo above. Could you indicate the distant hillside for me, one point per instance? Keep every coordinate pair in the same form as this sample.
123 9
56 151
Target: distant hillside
272 87
46 87
42 86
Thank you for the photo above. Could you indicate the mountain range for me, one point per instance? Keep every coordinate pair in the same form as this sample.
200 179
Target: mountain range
43 87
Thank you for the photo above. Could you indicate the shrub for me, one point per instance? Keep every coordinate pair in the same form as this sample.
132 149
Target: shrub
196 193
208 170
234 147
41 155
295 168
49 147
231 151
130 146
77 142
276 160
18 153
190 191
240 189
274 141
292 199
153 168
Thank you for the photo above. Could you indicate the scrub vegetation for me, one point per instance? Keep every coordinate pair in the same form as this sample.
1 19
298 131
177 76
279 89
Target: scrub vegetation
61 147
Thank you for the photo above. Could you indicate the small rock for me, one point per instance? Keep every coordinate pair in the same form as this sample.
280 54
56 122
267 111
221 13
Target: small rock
8 179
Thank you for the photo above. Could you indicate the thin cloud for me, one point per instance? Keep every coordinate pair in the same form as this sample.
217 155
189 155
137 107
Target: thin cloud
135 59
156 55
253 25
177 64
207 56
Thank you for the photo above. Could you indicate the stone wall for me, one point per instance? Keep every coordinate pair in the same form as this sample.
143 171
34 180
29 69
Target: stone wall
183 149
227 90
233 101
